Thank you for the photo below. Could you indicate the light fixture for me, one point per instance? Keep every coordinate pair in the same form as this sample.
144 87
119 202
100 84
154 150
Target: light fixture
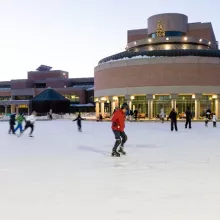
193 96
167 38
64 74
135 43
167 47
103 99
149 40
64 86
115 98
185 38
209 42
132 97
200 40
214 96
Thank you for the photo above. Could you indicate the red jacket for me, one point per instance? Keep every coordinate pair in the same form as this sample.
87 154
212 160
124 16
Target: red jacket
118 121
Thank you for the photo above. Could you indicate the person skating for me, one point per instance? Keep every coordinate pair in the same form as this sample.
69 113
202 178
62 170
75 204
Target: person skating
30 120
118 125
20 118
162 115
135 114
188 118
208 117
79 123
214 120
12 123
173 117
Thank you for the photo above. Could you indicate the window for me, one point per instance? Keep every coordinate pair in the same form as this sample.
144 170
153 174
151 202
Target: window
169 34
74 99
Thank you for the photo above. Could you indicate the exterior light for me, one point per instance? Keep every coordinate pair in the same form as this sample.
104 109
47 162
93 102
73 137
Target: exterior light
167 47
209 42
149 40
115 98
132 97
214 97
167 38
64 74
200 40
193 96
135 43
64 86
103 99
185 38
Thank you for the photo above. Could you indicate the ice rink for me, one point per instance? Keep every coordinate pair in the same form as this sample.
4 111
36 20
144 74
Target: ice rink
61 174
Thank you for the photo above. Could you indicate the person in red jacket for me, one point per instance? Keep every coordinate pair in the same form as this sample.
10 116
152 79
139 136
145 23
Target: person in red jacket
118 125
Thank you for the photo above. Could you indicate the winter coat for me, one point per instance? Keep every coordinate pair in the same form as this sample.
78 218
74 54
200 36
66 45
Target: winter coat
78 119
214 118
20 119
12 119
188 114
118 121
162 114
173 115
31 119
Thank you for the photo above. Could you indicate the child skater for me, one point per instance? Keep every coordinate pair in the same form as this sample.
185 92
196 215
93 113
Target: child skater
30 123
214 120
20 118
79 123
12 123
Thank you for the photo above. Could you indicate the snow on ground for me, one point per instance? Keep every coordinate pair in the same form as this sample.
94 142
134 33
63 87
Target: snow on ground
61 174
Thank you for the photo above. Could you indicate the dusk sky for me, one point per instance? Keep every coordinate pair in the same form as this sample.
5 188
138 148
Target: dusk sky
74 35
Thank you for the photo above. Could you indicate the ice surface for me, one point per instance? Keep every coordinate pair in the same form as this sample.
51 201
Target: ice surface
61 174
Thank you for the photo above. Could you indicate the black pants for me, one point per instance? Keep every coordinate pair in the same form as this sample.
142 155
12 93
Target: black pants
29 125
214 123
79 124
120 138
188 121
11 129
173 124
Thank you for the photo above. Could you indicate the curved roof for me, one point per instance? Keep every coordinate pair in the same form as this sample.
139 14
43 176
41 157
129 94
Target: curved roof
162 53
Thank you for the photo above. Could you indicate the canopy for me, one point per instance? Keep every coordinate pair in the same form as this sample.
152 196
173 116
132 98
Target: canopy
50 99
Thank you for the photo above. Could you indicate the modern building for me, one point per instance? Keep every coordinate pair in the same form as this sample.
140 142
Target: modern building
170 64
15 94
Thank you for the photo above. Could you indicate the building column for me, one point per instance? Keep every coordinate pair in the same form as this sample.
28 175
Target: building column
6 110
217 106
197 105
102 108
197 108
150 108
173 101
17 110
97 109
149 98
12 109
114 101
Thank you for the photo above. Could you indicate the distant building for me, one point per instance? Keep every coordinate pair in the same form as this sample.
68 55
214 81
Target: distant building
15 94
170 64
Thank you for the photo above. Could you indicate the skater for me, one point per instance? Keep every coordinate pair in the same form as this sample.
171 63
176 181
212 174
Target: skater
12 123
162 115
188 118
135 114
51 115
30 123
173 117
118 125
214 120
20 118
79 124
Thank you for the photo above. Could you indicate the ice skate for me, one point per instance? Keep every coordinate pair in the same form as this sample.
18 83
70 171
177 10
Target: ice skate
121 150
115 154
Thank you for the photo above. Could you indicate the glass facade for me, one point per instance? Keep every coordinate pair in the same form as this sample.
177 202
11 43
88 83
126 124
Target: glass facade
183 102
161 102
140 103
74 99
169 34
206 102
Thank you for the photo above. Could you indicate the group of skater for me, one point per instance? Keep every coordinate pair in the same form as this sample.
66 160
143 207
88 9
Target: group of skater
118 125
19 119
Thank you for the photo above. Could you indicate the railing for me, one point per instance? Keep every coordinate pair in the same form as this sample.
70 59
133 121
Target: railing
163 53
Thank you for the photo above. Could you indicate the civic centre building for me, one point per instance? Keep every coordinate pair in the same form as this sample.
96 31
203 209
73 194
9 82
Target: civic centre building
170 64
